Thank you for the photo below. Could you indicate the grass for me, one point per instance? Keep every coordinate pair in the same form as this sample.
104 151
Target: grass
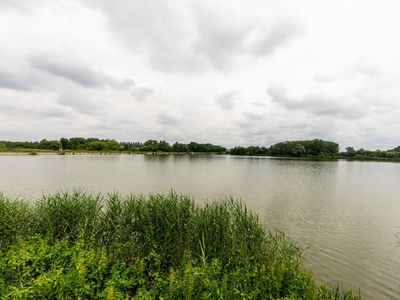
92 246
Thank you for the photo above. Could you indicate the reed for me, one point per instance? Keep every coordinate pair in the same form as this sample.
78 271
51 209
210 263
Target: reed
68 215
76 244
15 221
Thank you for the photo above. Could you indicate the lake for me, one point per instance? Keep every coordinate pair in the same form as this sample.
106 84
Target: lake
346 212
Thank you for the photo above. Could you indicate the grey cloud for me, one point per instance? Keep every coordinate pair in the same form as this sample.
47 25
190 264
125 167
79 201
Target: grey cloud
79 101
76 71
166 119
104 127
15 4
54 112
223 38
227 100
118 84
258 104
368 69
21 109
142 93
324 78
220 36
9 81
166 34
278 95
157 29
253 116
278 35
319 104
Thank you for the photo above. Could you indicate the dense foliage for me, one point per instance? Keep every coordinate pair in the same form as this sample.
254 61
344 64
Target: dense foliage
305 148
367 154
95 144
163 146
316 148
81 246
77 143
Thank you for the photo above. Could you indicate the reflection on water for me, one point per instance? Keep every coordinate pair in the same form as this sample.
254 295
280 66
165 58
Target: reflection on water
346 211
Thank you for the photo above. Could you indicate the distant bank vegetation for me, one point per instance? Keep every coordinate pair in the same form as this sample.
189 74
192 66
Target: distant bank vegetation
316 148
95 144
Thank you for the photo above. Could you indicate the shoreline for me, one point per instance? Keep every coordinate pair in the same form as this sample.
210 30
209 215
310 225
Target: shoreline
46 153
22 153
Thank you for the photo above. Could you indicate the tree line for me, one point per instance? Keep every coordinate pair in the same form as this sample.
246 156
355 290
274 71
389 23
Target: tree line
315 148
368 154
96 144
300 148
90 144
163 146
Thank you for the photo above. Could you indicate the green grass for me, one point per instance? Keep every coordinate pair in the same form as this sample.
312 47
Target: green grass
92 246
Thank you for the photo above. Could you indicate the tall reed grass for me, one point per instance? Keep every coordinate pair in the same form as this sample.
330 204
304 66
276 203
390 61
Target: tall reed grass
147 247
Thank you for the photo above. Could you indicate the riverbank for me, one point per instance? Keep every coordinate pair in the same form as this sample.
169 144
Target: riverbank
73 245
85 152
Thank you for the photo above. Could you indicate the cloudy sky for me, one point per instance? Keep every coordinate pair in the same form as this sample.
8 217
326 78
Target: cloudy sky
251 72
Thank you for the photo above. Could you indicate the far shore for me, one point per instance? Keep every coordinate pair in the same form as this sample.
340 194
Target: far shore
21 153
17 153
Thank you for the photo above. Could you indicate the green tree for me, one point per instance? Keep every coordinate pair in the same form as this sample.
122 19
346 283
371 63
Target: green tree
164 146
149 146
64 143
113 145
298 150
238 151
180 147
397 149
351 152
96 146
76 143
50 145
193 147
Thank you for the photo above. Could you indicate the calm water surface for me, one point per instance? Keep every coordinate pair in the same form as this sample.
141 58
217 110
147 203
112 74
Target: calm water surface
347 212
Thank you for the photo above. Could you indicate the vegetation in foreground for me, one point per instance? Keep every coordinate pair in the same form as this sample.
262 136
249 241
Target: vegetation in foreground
79 245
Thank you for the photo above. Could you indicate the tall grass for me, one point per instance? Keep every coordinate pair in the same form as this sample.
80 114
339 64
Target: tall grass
68 216
15 221
147 247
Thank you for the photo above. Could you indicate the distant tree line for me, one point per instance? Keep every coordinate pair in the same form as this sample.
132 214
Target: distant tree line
43 144
90 144
75 143
163 146
302 148
315 148
368 154
96 144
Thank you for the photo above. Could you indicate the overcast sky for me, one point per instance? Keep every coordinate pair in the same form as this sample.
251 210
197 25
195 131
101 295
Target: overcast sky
226 72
